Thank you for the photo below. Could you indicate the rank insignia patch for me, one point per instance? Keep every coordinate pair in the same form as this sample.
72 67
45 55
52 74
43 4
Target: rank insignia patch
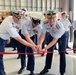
45 22
57 26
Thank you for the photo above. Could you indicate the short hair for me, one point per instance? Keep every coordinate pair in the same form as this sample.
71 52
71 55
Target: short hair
36 21
64 12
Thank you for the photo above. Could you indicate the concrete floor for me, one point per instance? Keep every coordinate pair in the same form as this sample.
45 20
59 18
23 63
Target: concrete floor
12 64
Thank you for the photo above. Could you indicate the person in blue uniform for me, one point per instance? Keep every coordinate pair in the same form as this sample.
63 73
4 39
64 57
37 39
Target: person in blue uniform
31 30
57 34
7 30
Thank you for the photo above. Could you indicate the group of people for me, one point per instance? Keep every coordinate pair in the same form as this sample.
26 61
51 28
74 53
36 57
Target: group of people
31 36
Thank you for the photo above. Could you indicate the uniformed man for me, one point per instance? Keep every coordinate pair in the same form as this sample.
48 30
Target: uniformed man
31 30
7 30
24 18
74 41
67 25
57 34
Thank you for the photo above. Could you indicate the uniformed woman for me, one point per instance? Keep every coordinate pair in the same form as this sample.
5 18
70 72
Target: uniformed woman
31 30
57 34
7 30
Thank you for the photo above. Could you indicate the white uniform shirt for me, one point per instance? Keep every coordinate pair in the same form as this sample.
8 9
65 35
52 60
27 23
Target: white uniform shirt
66 23
8 28
74 24
26 18
56 31
42 21
27 28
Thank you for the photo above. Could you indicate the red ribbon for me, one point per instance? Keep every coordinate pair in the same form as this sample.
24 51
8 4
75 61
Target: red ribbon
41 52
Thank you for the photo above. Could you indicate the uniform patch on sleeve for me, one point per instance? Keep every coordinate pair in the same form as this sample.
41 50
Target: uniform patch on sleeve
57 26
45 22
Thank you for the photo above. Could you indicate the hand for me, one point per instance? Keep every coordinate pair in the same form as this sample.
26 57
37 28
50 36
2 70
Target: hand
34 47
72 27
8 41
39 48
43 51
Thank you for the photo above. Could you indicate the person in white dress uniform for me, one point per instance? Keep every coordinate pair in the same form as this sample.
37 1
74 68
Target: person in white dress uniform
7 30
67 25
56 34
31 30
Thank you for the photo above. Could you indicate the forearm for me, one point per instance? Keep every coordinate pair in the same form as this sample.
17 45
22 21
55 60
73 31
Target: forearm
8 41
53 42
27 36
24 42
41 39
30 41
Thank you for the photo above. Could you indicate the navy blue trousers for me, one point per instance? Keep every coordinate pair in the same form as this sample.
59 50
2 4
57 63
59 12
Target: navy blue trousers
31 58
2 46
62 47
67 38
74 43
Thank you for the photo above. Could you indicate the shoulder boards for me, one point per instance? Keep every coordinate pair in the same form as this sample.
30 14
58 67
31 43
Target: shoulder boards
45 22
57 26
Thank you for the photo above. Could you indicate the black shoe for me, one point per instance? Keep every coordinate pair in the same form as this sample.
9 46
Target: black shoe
14 49
62 74
21 70
18 57
56 49
74 51
42 54
66 52
44 71
31 73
